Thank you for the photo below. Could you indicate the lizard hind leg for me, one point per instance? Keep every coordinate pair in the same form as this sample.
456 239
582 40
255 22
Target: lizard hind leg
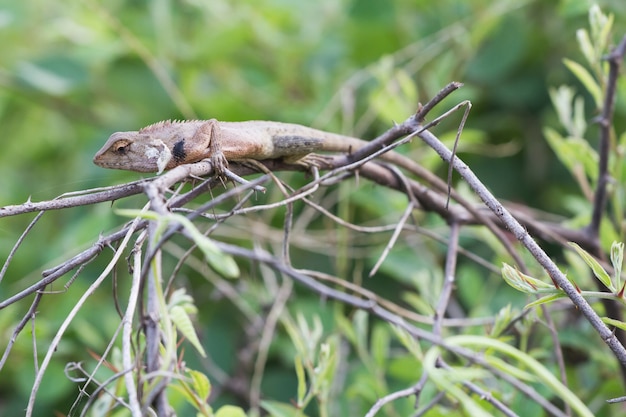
208 139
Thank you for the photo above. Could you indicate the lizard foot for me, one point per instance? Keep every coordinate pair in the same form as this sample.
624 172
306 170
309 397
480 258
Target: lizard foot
219 162
314 161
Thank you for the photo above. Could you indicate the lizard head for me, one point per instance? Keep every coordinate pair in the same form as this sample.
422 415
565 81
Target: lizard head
133 151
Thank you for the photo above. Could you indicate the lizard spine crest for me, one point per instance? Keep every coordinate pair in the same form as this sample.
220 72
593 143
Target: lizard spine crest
155 127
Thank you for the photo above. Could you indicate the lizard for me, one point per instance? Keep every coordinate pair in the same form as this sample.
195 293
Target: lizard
168 144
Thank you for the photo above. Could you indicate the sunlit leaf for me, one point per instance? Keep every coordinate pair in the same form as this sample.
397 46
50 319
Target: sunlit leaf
595 266
278 409
223 264
218 260
230 411
200 383
586 79
584 43
573 153
601 25
612 322
327 362
562 99
409 342
546 299
525 283
617 260
184 325
509 369
579 122
443 378
301 379
380 345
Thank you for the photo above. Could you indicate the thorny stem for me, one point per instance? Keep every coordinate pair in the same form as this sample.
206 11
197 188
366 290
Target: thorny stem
615 58
522 235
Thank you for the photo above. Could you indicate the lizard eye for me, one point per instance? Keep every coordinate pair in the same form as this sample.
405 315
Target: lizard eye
121 147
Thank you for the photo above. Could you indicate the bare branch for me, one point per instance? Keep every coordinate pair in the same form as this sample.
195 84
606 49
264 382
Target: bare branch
615 59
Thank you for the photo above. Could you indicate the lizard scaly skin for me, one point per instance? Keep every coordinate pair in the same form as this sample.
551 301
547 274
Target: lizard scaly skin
165 145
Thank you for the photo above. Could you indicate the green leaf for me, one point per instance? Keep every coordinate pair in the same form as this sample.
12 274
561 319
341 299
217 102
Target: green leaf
184 325
222 264
278 409
524 360
510 369
613 322
230 411
585 46
579 122
617 259
442 378
360 324
301 379
545 299
409 342
200 383
573 153
595 266
562 99
601 25
327 363
525 283
396 93
380 345
586 79
179 297
502 320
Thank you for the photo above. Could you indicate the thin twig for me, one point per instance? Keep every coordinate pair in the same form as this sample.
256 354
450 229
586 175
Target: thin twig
17 245
103 387
448 279
79 304
444 298
269 329
382 401
30 314
392 240
91 378
53 274
127 334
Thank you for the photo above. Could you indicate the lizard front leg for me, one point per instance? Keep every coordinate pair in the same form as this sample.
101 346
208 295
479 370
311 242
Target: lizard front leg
208 138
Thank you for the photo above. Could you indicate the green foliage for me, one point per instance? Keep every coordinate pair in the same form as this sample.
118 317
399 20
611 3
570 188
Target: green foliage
73 72
612 282
223 264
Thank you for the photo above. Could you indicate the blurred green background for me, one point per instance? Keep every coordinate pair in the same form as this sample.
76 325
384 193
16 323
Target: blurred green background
73 72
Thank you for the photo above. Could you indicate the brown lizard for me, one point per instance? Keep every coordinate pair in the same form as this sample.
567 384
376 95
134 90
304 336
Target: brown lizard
165 145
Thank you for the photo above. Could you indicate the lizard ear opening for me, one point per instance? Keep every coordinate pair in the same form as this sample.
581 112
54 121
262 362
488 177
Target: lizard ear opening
121 147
